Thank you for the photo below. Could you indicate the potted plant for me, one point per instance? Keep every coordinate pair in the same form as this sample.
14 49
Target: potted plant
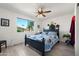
67 36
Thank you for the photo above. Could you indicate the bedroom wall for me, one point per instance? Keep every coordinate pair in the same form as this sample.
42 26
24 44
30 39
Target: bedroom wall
64 21
77 33
12 37
9 33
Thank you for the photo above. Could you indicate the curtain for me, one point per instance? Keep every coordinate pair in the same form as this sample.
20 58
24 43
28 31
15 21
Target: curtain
72 30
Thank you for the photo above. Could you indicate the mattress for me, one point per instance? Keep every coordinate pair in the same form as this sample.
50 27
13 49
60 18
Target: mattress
50 39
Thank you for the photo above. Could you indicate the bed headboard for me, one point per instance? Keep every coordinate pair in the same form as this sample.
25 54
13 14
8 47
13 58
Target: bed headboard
56 29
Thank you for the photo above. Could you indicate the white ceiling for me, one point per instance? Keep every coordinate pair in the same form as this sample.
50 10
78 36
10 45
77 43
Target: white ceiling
29 9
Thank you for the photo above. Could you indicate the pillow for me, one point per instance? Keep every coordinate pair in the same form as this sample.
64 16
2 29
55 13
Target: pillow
38 33
43 33
51 33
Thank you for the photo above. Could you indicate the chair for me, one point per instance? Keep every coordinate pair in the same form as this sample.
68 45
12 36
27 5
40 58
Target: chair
3 42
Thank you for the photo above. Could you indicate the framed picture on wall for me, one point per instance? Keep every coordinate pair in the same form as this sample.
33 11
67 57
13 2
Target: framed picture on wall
4 22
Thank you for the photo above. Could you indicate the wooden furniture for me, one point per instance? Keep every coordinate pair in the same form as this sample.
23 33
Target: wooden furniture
40 46
3 42
57 30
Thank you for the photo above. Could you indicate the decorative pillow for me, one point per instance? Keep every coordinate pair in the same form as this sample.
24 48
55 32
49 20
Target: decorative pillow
49 41
51 33
44 33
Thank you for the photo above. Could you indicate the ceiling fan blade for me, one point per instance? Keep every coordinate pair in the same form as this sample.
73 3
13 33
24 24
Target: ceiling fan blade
43 15
47 11
37 14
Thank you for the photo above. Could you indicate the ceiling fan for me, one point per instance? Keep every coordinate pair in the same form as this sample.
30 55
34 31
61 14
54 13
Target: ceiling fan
41 11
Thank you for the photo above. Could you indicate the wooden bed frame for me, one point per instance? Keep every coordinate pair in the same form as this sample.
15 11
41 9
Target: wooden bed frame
39 45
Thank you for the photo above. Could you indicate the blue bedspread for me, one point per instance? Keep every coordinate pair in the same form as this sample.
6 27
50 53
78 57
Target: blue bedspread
51 39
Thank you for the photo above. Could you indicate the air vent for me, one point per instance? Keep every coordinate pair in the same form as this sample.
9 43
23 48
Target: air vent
77 4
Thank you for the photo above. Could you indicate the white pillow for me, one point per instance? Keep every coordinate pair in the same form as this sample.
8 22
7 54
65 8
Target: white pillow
51 33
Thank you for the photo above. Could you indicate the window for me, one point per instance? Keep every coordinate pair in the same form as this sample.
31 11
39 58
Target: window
24 25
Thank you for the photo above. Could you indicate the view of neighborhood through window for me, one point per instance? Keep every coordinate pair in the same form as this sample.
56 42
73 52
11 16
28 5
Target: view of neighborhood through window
24 25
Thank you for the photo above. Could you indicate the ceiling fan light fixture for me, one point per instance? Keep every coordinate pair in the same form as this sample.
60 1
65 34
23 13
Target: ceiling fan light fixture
42 12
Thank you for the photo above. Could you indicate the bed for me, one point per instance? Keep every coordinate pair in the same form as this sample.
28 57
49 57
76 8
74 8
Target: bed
43 41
